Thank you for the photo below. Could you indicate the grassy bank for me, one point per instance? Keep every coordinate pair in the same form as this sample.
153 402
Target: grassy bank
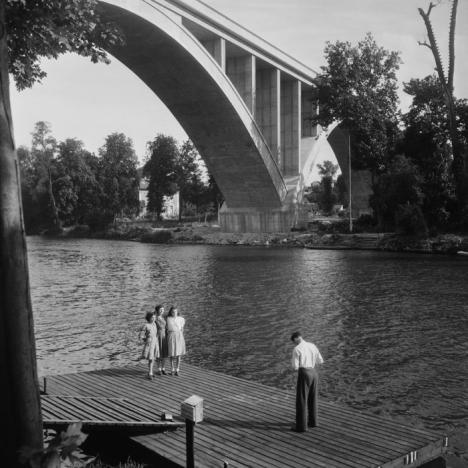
319 236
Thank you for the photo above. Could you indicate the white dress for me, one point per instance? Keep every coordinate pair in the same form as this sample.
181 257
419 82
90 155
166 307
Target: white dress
175 336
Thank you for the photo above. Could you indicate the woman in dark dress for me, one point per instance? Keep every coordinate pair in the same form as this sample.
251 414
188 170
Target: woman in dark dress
161 336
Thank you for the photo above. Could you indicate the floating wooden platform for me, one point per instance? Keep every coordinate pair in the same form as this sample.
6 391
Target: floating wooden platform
247 424
121 414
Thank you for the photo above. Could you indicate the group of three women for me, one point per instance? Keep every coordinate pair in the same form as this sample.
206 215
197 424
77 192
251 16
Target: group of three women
163 337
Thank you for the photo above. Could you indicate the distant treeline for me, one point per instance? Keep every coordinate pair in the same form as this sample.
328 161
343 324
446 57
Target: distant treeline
63 184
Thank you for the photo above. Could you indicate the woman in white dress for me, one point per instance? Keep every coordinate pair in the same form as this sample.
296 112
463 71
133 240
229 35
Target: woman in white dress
175 338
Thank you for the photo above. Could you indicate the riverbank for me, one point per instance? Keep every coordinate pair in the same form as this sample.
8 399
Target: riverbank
197 233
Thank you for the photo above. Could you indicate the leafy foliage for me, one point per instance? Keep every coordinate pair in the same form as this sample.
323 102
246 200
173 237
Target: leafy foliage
161 170
398 187
43 151
426 142
358 87
50 28
327 169
62 450
85 189
118 176
189 176
77 187
458 147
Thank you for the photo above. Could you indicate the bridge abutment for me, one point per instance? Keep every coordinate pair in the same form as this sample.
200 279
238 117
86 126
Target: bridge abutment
256 220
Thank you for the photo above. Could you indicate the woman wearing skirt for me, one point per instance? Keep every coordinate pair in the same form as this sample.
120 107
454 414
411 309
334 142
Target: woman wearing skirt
162 339
148 335
175 339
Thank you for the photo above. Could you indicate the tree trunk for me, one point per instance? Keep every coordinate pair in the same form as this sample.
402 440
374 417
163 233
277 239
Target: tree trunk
57 222
20 411
180 206
458 163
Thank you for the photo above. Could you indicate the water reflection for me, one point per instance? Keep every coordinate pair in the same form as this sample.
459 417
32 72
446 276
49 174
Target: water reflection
391 327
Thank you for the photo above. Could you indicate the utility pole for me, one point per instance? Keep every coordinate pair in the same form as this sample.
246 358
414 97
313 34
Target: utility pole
350 207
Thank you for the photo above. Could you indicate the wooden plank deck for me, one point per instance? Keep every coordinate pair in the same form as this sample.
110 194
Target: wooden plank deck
247 424
121 414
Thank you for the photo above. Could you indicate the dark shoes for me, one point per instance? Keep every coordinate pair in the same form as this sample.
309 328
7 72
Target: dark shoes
163 372
295 429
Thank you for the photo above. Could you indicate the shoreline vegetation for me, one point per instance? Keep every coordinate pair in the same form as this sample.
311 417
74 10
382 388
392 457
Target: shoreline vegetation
319 235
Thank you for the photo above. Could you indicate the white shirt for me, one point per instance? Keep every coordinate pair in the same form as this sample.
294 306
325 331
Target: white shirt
306 354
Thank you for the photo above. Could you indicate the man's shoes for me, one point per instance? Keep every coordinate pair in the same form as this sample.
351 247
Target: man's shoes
295 429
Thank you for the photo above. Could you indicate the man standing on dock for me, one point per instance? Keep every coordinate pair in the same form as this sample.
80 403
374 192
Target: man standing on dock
305 358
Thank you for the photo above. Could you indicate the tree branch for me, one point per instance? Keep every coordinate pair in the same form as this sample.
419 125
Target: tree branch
451 69
433 44
424 44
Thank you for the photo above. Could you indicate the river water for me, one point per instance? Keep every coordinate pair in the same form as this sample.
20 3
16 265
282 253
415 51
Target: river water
392 327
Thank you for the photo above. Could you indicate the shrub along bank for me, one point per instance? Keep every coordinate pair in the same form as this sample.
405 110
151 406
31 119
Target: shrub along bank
322 236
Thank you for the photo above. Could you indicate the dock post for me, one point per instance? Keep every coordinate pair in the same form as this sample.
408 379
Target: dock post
192 412
189 433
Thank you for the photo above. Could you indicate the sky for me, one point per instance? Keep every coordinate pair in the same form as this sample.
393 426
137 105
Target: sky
89 101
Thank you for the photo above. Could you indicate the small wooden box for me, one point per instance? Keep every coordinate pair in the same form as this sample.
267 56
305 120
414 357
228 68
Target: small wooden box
192 409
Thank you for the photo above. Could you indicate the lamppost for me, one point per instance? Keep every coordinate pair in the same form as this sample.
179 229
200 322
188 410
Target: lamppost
350 208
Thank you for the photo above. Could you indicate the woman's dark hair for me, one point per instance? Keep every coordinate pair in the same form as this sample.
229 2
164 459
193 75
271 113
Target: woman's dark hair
171 311
158 308
148 316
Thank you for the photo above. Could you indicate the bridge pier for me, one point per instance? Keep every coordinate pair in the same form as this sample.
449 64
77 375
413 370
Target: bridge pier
256 219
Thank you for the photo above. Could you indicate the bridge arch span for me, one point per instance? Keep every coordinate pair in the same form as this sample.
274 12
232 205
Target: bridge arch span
181 72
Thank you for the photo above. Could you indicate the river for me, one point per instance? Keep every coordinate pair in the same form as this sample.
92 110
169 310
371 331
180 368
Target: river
392 328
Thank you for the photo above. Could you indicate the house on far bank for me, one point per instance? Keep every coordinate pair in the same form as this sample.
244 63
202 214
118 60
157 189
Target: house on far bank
171 204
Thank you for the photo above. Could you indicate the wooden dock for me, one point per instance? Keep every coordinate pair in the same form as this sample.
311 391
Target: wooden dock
247 424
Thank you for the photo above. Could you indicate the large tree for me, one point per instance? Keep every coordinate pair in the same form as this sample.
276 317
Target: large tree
446 85
29 30
189 177
76 187
43 151
426 142
358 87
161 169
118 176
398 193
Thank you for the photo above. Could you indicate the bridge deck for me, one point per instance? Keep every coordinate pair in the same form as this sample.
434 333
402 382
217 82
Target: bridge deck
248 424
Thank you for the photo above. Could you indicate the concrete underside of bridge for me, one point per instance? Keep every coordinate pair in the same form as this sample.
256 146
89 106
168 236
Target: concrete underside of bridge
190 83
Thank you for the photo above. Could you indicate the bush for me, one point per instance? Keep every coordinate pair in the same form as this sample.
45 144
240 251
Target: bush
409 220
162 236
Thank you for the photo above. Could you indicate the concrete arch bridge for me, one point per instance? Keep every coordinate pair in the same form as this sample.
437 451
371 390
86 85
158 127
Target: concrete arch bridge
246 105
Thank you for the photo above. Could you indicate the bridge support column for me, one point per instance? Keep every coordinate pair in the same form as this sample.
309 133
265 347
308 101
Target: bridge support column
291 122
217 49
257 219
267 112
242 72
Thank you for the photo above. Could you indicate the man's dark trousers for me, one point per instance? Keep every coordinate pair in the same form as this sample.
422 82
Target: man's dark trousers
306 398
